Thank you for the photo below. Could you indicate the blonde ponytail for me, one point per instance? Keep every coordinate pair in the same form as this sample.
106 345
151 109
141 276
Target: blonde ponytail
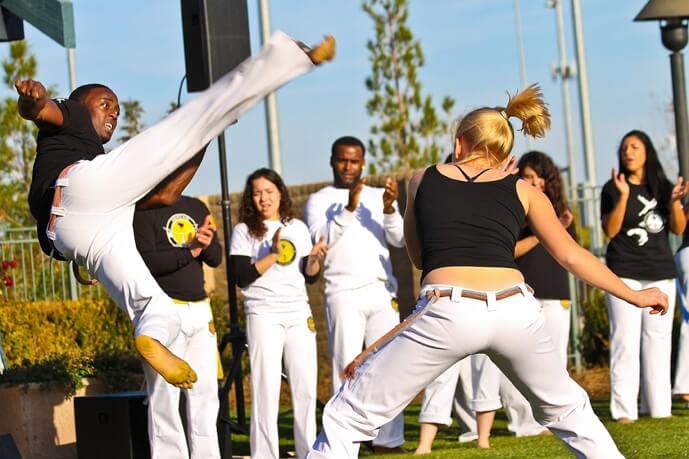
488 129
529 107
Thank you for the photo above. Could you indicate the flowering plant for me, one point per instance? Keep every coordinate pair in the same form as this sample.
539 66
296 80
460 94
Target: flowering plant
7 280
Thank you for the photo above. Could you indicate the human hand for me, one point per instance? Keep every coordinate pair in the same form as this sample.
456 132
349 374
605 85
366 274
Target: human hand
319 250
566 218
679 190
651 298
203 237
276 247
31 90
620 182
390 195
355 194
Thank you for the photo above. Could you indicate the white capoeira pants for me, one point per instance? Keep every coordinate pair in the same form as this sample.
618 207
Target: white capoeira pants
99 196
640 347
197 345
510 331
557 315
682 370
357 318
492 388
277 340
448 390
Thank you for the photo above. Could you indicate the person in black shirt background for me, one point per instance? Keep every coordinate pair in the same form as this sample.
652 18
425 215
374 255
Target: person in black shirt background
175 242
545 275
638 207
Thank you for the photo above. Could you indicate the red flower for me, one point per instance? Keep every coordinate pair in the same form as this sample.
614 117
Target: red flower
8 281
13 264
5 264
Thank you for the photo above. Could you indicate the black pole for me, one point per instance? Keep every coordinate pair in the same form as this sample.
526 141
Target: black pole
236 335
673 33
679 98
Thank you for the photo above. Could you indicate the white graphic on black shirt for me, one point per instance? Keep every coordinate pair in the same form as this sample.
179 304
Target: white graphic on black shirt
651 221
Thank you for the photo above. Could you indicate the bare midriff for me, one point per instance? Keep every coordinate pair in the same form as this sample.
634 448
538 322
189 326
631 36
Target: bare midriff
475 277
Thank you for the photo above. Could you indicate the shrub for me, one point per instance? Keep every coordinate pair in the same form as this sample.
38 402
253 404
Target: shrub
59 343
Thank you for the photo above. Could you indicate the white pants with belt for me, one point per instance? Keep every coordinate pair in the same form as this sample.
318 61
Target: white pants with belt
510 331
640 347
100 195
681 385
277 340
198 346
357 318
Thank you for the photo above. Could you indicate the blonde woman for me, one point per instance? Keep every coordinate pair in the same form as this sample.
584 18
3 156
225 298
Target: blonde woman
461 226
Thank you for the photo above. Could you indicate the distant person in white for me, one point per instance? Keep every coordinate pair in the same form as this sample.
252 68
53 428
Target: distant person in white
358 221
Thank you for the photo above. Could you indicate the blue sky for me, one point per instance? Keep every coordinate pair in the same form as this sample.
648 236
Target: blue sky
135 47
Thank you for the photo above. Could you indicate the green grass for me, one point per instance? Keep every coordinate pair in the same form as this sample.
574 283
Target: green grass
646 438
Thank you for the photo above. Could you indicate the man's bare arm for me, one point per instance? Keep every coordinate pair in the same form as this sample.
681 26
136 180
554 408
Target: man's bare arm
170 189
35 105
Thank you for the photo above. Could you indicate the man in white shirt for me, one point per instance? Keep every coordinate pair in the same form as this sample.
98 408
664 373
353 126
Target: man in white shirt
358 222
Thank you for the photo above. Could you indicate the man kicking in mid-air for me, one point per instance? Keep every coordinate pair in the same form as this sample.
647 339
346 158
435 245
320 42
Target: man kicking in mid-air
84 200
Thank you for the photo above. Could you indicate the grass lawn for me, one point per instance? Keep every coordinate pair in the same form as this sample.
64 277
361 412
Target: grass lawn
667 438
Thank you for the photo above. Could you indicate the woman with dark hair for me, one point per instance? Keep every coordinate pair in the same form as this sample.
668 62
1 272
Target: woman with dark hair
638 207
461 225
271 256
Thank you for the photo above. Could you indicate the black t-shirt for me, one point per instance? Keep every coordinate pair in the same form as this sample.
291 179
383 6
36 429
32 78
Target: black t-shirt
162 238
685 239
545 275
57 148
641 250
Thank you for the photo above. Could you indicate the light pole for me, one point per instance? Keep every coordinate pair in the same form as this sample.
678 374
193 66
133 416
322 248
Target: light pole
673 32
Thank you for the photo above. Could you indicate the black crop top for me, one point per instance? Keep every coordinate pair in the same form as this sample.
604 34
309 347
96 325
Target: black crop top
467 223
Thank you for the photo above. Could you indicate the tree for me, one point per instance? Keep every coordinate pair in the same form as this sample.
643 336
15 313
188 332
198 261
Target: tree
408 129
133 111
17 140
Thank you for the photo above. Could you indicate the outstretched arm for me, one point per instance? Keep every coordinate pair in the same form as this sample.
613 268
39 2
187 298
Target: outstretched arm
576 259
35 105
170 189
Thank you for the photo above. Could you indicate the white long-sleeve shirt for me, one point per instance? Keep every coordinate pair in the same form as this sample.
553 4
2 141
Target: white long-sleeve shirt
358 241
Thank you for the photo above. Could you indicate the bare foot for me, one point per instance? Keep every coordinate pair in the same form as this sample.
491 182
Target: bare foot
684 397
483 444
175 370
323 51
625 421
421 450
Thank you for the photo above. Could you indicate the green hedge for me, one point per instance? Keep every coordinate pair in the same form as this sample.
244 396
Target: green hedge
59 343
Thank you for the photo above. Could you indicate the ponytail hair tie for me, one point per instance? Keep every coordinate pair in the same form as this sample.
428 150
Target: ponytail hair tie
504 114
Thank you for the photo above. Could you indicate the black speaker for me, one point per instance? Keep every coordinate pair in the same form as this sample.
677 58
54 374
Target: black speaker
8 450
112 426
11 26
216 39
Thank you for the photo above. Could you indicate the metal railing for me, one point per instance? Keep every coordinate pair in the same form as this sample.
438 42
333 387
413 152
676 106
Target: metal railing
29 275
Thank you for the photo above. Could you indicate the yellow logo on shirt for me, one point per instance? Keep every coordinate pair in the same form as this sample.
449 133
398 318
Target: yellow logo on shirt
289 252
311 324
180 230
565 304
395 304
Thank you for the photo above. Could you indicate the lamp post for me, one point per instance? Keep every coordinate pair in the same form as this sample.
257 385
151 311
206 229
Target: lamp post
673 17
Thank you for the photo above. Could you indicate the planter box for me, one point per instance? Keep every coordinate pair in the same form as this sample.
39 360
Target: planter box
42 421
